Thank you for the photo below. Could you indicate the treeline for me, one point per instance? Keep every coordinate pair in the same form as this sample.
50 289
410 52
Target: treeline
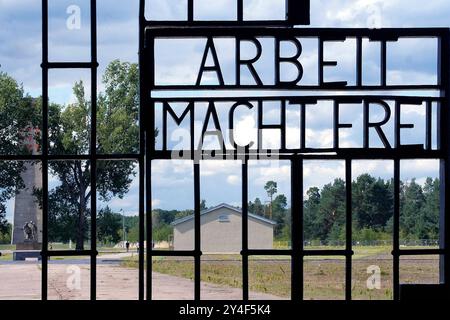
324 214
372 210
110 227
325 211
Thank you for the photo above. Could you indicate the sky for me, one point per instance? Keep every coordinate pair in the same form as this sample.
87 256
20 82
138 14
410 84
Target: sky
409 61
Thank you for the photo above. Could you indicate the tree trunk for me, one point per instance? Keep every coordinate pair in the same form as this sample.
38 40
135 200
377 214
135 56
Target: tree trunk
81 214
80 224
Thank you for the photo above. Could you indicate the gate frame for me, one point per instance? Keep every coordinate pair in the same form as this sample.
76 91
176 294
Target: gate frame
149 31
148 153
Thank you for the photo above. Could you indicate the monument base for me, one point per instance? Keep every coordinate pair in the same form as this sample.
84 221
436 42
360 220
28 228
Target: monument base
28 246
22 255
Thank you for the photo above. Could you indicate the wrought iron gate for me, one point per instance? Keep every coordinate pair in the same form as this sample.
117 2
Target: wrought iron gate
249 30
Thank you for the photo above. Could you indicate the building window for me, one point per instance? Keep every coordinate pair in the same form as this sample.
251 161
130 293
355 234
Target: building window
224 218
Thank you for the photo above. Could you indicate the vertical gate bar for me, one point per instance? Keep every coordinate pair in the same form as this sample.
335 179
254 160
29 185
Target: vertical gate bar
303 126
244 252
93 151
297 277
145 224
348 230
197 230
44 151
445 216
359 61
383 64
396 231
320 61
298 12
190 15
336 124
240 10
444 145
142 171
429 126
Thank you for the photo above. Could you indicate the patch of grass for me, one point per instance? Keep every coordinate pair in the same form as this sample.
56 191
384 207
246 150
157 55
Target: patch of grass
6 257
7 247
324 277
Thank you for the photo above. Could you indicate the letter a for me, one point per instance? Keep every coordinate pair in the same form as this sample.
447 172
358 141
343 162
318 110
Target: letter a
216 67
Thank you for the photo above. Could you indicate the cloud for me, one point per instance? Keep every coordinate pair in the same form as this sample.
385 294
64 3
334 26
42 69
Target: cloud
20 56
233 180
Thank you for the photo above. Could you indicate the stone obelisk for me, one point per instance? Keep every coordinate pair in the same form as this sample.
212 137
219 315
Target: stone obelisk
26 209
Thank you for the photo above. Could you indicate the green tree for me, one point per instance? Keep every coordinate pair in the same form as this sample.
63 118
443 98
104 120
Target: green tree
279 215
412 203
372 202
132 227
162 233
117 130
271 188
331 212
431 209
19 115
5 235
310 213
256 207
109 226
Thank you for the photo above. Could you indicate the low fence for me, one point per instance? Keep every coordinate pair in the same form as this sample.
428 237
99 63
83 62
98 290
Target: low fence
366 243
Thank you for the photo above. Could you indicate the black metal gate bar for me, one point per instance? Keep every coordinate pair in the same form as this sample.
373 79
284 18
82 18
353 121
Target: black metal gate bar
396 231
145 219
297 229
92 157
348 229
44 151
197 230
190 10
244 252
297 13
93 149
444 143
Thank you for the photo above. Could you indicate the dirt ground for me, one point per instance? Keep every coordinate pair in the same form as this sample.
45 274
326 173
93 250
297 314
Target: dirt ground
117 279
22 282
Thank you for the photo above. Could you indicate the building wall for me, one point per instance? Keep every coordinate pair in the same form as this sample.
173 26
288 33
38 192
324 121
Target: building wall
221 237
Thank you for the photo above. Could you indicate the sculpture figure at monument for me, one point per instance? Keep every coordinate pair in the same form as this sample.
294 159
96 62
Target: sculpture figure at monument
30 231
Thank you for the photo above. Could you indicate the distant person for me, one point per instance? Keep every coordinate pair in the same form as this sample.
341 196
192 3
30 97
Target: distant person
127 245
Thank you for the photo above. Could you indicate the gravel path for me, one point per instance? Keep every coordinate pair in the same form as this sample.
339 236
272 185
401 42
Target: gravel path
22 282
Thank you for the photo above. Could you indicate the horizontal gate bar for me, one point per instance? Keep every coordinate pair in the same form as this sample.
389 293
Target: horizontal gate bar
305 252
388 34
175 253
70 65
342 252
330 86
307 154
135 157
68 253
304 99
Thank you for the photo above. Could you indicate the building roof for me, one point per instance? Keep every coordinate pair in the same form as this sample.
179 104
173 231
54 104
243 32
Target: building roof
223 205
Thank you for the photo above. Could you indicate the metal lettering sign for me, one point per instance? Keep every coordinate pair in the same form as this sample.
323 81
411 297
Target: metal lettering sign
390 98
199 103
